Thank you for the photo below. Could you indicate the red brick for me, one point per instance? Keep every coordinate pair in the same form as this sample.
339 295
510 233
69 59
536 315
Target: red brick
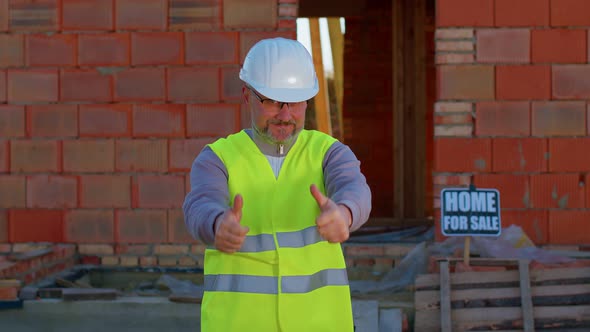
12 121
158 120
571 81
158 191
559 46
4 156
514 189
157 48
141 226
290 23
182 87
87 156
3 86
570 13
133 249
187 183
3 230
569 227
231 85
35 156
54 50
522 13
503 119
12 50
534 223
519 155
249 14
217 120
465 13
12 191
52 192
249 38
523 82
34 15
184 152
503 45
558 118
212 47
105 120
89 226
569 154
177 231
85 85
141 84
105 191
28 86
463 154
110 49
141 155
587 182
35 226
4 15
465 82
557 191
201 15
142 14
87 15
54 120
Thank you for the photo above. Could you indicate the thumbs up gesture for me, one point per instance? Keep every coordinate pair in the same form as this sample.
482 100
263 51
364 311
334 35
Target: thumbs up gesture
229 233
334 220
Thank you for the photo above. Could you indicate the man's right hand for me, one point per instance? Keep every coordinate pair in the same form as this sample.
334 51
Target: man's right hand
229 234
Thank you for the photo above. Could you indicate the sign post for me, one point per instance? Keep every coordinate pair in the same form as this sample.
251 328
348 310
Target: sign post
470 212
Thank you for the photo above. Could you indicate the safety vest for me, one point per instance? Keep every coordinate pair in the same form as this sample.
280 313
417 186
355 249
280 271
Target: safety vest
285 277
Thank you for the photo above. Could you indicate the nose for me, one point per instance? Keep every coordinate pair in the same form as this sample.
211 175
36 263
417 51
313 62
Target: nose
284 113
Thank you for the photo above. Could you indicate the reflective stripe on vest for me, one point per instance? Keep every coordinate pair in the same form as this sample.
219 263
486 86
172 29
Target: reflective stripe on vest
300 238
306 284
269 285
240 283
258 243
265 242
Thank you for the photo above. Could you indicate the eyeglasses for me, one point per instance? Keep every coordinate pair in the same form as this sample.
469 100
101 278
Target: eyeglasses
275 106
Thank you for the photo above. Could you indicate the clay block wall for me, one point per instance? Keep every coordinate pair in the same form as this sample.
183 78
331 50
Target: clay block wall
513 110
104 104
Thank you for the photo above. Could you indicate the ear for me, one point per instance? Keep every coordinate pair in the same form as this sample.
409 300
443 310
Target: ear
246 94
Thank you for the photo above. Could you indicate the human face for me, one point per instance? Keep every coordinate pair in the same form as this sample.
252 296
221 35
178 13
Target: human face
275 121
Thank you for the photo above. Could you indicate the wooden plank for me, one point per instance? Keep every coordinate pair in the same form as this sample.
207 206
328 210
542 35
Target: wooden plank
391 320
525 296
322 107
337 43
538 277
541 295
398 109
505 318
409 110
419 130
445 297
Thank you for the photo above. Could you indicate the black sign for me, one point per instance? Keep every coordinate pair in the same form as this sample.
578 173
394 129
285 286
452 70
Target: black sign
466 212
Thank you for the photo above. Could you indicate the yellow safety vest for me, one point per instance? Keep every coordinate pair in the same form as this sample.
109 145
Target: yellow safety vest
285 276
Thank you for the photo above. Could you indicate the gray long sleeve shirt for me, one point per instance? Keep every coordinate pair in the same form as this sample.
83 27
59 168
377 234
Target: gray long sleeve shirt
209 195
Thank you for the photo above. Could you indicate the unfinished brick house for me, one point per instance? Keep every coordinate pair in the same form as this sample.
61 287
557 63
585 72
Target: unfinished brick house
105 103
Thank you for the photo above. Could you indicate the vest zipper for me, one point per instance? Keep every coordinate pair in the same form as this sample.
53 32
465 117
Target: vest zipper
281 149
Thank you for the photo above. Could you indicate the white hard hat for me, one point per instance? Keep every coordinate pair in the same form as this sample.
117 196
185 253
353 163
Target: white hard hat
280 69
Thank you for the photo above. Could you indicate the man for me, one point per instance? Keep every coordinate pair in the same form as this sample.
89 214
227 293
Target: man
277 262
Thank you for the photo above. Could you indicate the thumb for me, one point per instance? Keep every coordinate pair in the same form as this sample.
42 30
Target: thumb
318 196
237 208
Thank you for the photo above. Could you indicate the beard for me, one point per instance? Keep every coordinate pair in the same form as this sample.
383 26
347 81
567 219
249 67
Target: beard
267 135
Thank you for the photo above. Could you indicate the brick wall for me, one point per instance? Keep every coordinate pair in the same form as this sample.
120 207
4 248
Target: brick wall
103 106
512 110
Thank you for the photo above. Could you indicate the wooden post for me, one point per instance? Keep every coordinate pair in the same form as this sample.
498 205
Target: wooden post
337 43
525 296
466 248
322 108
445 297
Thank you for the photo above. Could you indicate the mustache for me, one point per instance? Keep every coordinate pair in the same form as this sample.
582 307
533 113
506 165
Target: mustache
279 122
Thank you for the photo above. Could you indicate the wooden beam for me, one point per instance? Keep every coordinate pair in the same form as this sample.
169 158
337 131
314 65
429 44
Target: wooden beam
398 107
337 42
322 108
525 295
419 100
445 297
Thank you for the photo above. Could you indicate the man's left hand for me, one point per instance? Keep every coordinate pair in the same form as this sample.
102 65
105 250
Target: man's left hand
334 220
